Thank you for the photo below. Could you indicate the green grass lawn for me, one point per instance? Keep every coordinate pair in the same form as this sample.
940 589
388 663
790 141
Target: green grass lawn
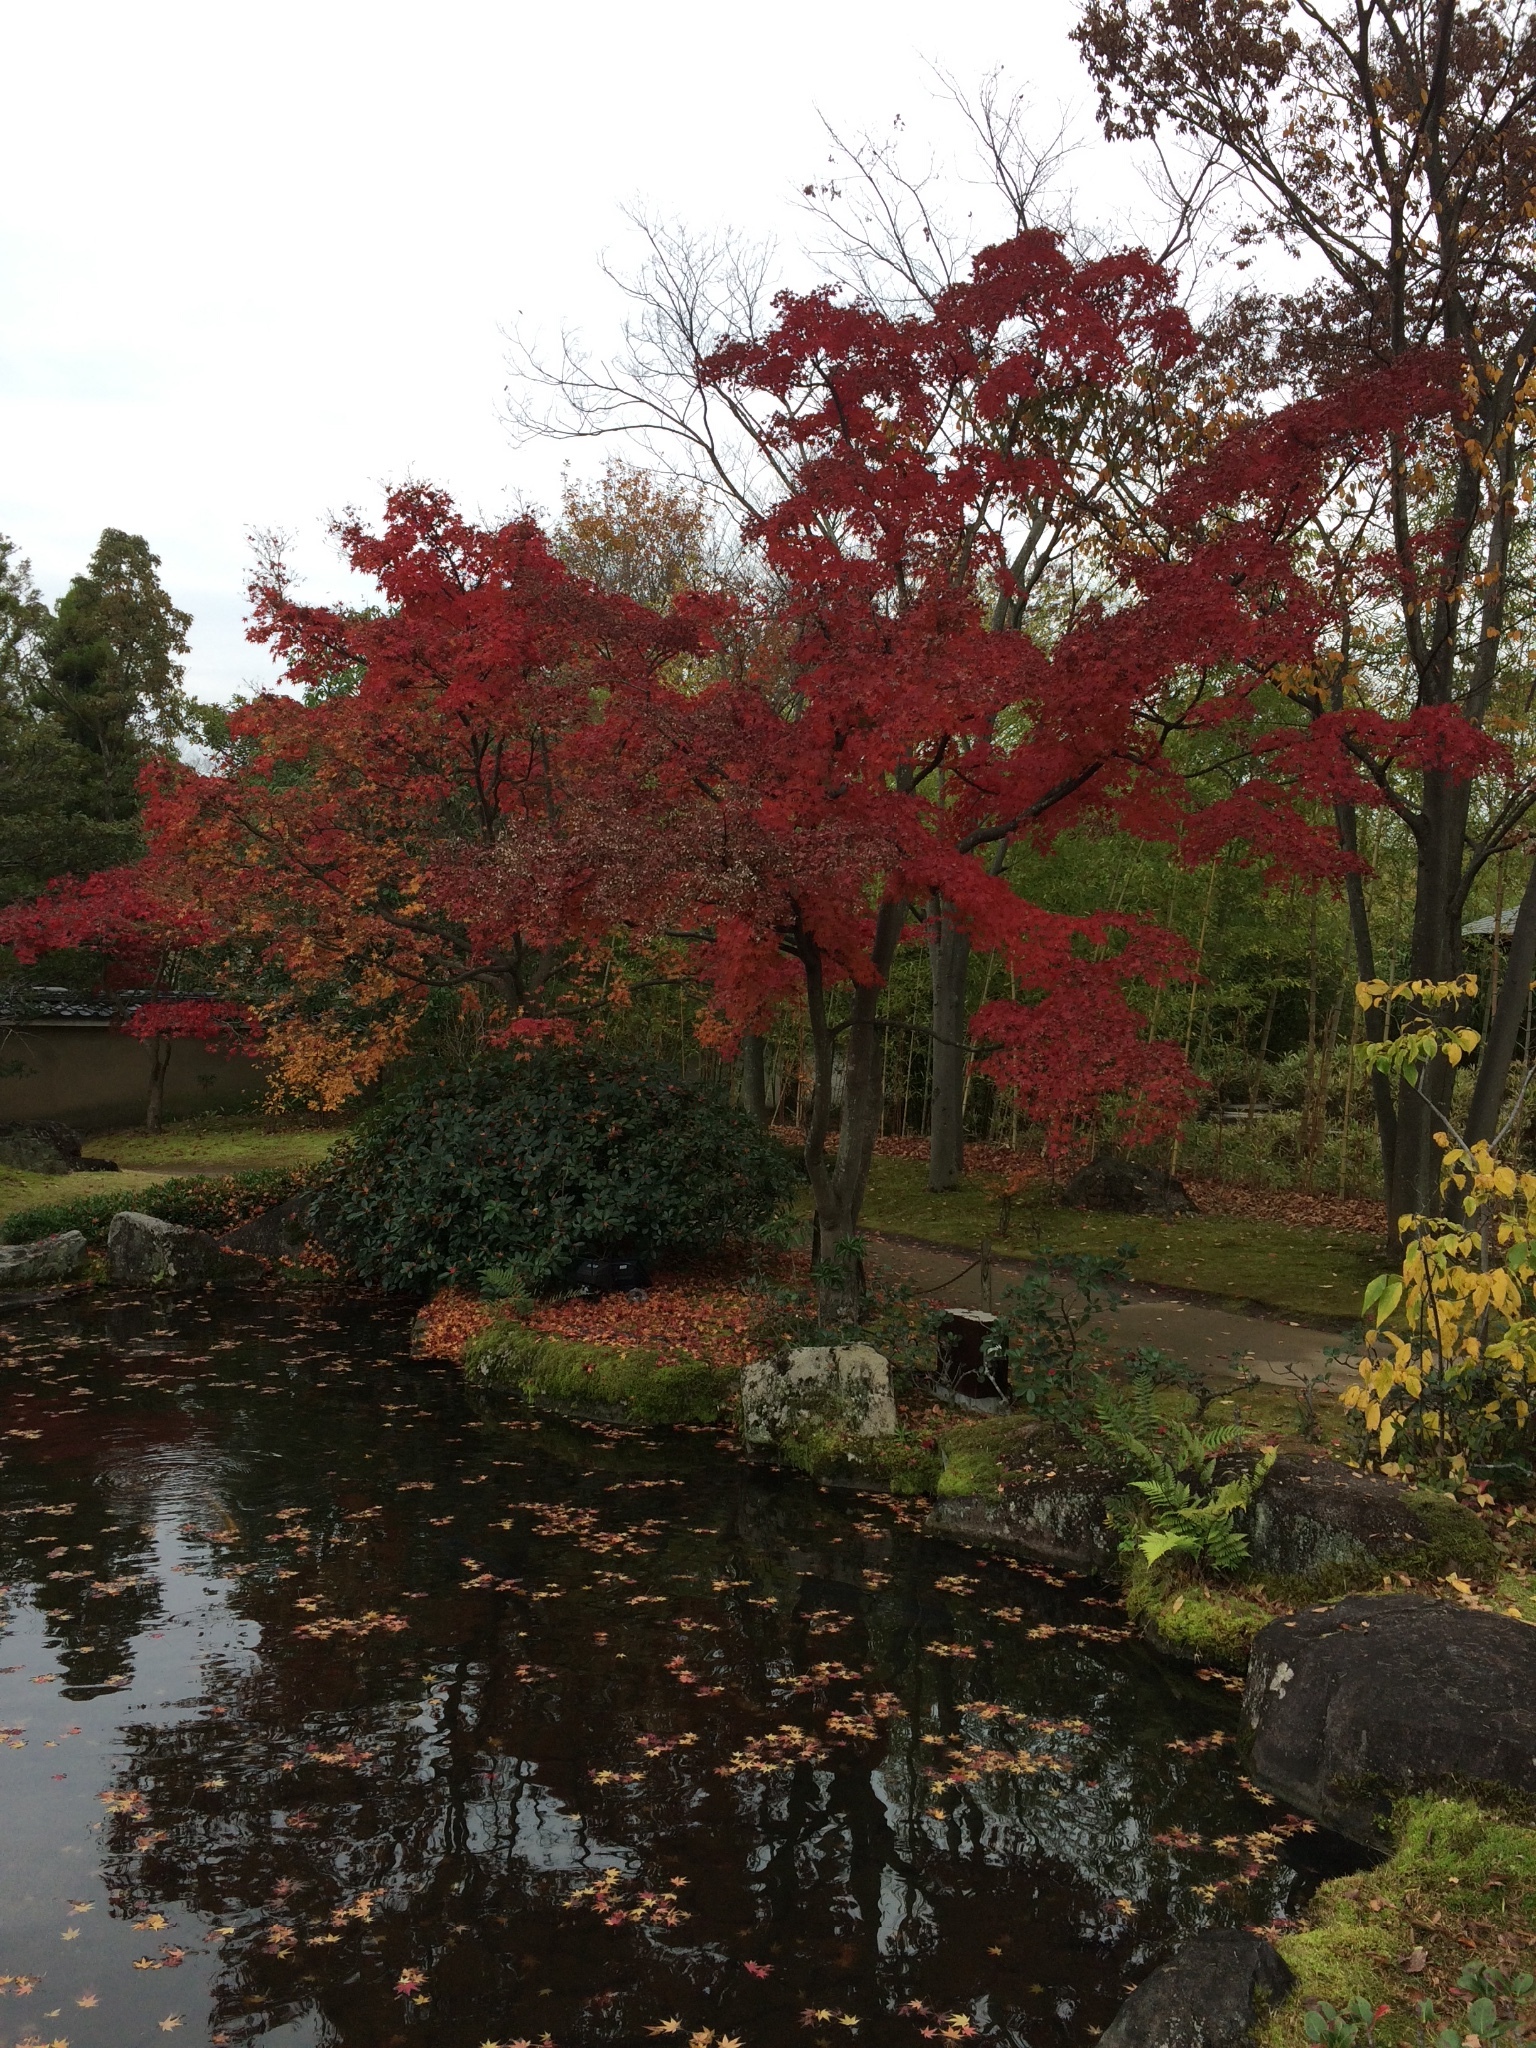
202 1144
1318 1273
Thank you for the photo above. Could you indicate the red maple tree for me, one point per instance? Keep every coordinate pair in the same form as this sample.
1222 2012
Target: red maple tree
893 736
433 816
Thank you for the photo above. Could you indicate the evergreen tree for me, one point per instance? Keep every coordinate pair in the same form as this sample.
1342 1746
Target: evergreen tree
111 668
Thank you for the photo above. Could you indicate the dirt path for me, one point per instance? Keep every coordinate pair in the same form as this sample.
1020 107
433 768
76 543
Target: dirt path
1206 1334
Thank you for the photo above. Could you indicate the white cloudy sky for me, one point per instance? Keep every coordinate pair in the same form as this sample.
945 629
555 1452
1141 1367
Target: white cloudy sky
257 262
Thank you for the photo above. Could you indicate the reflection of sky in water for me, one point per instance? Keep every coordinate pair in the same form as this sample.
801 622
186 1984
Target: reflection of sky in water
403 1814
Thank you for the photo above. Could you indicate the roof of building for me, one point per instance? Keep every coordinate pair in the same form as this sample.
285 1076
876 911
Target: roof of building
27 1002
1482 927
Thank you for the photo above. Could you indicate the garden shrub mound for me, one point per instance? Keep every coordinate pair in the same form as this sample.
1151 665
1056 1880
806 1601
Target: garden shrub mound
531 1162
216 1203
596 1379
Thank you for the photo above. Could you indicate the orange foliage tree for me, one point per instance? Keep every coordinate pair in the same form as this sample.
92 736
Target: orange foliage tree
433 817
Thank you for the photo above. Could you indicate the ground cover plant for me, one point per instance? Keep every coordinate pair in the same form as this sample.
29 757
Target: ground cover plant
525 1163
220 1145
213 1202
1456 1894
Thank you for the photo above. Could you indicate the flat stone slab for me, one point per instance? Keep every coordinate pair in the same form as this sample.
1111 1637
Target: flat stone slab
45 1260
1348 1707
1209 1994
842 1387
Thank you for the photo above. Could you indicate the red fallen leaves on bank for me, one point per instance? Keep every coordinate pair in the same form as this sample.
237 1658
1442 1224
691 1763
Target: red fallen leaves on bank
697 1313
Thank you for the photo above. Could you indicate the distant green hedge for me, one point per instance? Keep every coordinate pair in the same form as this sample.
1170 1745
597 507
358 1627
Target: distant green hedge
217 1203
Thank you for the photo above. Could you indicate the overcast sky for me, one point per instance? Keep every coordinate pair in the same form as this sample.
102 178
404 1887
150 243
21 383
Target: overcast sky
257 263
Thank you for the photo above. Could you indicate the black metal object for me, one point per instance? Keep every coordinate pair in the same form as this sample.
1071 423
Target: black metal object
608 1274
971 1371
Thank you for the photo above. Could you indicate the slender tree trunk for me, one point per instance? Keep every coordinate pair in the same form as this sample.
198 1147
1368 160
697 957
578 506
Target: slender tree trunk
837 1187
1259 1058
1436 955
159 1062
754 1076
949 960
1375 1019
1498 1051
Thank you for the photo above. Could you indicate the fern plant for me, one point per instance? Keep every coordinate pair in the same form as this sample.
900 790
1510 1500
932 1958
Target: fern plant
1187 1511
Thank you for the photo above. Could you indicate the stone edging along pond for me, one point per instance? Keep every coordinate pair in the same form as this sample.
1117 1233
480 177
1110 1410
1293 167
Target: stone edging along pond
1401 1720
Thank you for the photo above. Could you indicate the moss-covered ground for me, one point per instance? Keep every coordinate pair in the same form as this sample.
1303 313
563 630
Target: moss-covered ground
1458 1888
1317 1273
634 1384
190 1145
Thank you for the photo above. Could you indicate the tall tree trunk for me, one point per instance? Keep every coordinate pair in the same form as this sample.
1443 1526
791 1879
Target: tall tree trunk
1436 955
949 960
159 1062
754 1076
1497 1054
1375 1019
837 1187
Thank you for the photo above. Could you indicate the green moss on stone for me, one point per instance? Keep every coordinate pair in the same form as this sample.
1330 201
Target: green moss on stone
882 1464
1205 1622
1455 1539
597 1378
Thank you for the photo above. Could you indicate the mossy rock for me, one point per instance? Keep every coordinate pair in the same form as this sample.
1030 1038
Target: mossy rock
1455 1865
1321 1528
980 1458
604 1381
1055 1513
1193 1620
870 1464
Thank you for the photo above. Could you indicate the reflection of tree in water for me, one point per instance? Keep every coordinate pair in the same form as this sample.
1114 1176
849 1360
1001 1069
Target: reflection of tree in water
76 1538
361 1811
466 1708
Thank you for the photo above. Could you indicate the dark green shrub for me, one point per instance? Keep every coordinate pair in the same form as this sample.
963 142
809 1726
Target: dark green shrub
217 1202
526 1163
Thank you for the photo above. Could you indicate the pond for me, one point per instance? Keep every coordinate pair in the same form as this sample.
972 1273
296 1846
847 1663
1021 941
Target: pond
340 1706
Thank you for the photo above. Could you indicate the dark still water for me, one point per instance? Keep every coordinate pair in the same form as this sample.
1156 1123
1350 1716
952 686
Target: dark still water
336 1707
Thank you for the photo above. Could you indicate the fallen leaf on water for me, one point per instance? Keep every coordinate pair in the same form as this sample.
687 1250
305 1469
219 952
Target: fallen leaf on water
171 2022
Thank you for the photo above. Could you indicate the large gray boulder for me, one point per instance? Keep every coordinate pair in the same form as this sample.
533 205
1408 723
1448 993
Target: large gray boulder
40 1147
844 1388
1347 1707
1209 1994
1056 1516
1314 1517
275 1234
146 1251
43 1263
